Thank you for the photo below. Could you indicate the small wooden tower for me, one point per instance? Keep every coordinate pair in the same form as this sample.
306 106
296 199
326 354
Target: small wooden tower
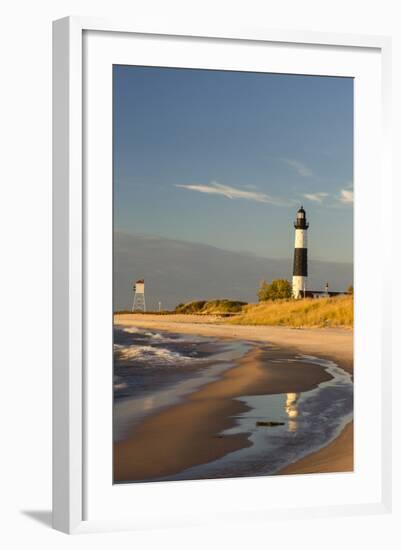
139 303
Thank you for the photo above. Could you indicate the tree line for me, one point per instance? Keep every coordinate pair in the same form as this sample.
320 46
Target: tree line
281 289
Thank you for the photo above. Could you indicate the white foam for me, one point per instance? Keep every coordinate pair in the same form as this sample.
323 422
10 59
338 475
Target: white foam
120 386
150 354
165 338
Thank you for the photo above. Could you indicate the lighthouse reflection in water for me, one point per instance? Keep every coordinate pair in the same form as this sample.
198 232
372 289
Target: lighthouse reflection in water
292 411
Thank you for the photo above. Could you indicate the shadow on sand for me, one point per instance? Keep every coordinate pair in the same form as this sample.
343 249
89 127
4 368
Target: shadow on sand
41 516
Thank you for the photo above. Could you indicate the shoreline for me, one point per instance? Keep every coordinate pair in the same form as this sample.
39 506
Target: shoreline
328 343
186 434
337 456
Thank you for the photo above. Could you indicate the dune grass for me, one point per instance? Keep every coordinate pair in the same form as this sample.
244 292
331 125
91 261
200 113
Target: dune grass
323 312
211 307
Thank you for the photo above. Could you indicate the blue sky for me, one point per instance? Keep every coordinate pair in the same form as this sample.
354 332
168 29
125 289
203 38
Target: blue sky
226 158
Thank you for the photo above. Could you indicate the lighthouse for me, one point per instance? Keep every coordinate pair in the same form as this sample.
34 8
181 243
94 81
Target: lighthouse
300 271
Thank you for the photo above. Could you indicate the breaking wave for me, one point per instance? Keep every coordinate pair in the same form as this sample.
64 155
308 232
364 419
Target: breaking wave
157 337
152 355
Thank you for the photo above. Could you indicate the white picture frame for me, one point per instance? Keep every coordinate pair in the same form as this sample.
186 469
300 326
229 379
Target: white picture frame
71 251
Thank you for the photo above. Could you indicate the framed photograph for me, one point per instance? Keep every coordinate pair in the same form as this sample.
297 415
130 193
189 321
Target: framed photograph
220 319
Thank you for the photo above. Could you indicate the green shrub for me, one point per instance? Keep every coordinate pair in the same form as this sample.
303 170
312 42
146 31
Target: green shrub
279 289
211 307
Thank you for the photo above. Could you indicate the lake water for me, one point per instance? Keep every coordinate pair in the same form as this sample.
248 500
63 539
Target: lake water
153 370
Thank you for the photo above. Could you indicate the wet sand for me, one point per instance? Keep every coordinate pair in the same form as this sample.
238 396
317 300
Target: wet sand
186 434
337 456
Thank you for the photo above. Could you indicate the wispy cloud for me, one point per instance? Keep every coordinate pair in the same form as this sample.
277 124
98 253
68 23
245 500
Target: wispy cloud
316 197
215 188
347 196
300 168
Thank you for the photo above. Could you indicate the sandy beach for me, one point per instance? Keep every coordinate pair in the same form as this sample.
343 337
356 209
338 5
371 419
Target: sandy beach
186 434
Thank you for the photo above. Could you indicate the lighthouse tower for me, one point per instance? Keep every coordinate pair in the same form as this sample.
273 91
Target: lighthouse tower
300 271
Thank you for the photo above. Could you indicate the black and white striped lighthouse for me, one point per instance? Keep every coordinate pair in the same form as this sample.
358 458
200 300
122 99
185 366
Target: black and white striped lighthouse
300 271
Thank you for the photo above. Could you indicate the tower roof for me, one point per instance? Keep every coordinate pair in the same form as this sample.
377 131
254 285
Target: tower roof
301 209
